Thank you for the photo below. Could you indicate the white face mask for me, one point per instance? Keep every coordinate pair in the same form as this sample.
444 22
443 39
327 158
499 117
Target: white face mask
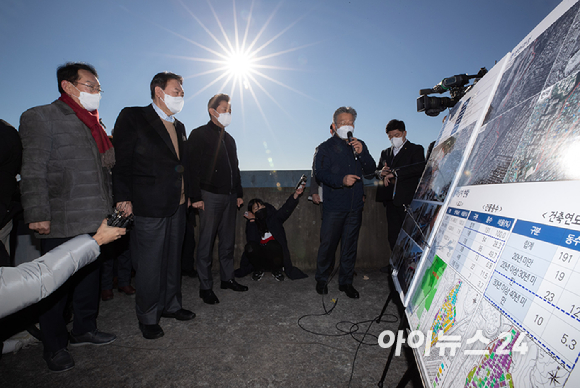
89 101
225 119
343 131
174 104
397 142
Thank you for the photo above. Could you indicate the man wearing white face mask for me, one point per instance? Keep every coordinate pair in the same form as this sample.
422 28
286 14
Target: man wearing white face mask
216 191
66 164
401 167
340 164
149 182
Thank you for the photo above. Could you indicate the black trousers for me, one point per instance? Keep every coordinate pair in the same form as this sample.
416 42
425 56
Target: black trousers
188 252
84 286
156 251
269 256
117 250
395 218
343 227
217 219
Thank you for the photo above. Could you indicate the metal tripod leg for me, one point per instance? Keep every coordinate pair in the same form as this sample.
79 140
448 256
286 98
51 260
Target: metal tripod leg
391 354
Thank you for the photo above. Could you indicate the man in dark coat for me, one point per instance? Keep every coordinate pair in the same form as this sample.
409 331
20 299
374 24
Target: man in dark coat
401 168
216 191
340 164
149 182
267 245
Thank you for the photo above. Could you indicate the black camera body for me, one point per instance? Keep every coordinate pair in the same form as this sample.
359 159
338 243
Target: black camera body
119 220
455 85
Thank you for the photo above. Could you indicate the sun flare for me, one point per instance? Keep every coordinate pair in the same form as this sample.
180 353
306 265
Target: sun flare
240 64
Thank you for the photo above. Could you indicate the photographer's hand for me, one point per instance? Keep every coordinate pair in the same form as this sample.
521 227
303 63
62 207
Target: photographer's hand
105 234
299 191
386 170
387 178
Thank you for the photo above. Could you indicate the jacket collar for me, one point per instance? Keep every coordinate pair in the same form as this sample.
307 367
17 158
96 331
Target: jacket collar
402 151
155 121
338 140
215 127
63 107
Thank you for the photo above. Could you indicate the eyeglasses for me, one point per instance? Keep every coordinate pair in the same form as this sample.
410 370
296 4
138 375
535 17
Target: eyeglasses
94 89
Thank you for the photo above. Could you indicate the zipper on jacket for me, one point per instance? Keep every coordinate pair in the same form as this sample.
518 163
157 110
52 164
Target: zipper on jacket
229 164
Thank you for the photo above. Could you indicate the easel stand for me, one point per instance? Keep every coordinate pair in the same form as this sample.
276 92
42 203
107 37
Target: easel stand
412 369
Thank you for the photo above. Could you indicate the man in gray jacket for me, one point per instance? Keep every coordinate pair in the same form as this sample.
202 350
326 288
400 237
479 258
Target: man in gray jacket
66 164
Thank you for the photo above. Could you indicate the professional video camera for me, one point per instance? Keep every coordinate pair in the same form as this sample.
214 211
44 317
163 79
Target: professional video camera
457 87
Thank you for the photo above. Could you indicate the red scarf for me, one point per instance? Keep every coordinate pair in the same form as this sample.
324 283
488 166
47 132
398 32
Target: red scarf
91 120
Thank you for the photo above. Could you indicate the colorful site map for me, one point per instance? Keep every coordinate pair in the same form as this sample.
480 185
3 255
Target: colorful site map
496 292
531 366
428 286
445 319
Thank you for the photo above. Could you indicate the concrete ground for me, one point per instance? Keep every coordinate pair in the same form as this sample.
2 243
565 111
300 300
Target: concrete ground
275 335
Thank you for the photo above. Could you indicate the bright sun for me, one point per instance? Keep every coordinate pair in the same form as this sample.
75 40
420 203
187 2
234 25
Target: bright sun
239 61
239 64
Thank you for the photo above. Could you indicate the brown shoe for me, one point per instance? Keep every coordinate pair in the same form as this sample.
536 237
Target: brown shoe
107 295
127 290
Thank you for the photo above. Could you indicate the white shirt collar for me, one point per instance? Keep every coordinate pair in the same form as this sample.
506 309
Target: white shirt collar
396 150
162 114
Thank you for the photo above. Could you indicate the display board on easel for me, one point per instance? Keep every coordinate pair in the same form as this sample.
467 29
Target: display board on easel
491 260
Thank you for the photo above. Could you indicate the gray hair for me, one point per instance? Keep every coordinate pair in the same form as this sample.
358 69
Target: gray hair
344 109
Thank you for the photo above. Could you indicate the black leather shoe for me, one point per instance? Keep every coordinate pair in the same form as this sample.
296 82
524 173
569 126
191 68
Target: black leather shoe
180 315
96 337
208 296
151 331
59 361
233 285
321 288
349 290
189 274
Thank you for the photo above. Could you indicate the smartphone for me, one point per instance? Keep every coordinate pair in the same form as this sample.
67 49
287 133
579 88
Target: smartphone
302 180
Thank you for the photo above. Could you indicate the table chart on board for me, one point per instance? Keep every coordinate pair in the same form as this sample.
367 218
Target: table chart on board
449 232
537 284
479 246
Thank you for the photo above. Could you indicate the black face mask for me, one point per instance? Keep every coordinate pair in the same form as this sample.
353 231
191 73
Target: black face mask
261 220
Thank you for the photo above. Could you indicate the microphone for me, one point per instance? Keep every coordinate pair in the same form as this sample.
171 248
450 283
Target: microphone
350 139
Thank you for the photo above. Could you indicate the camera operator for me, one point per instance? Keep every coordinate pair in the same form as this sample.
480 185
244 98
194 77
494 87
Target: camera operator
267 246
400 168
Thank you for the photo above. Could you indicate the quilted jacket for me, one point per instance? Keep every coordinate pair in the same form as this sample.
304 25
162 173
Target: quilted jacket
63 180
